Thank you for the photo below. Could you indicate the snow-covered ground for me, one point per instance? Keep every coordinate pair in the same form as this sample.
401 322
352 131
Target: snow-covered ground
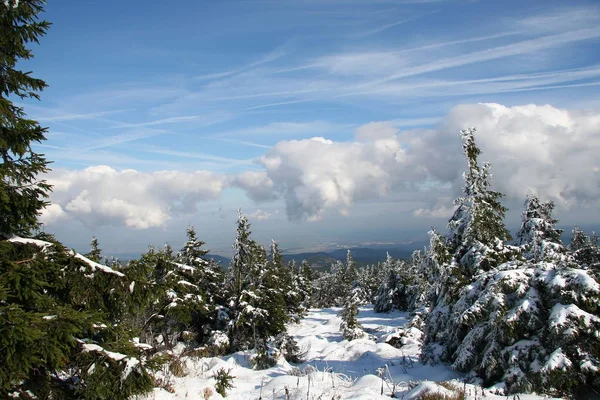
334 368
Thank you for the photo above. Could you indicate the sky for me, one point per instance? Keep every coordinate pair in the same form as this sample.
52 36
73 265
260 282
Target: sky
328 122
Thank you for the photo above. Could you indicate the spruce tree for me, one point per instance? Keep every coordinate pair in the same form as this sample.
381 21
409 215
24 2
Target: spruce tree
95 253
22 194
538 236
585 250
256 303
351 328
477 227
208 277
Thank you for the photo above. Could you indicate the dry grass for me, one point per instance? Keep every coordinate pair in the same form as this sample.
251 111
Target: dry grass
457 393
177 367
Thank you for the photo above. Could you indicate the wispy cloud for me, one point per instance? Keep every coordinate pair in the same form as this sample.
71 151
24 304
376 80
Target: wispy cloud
124 138
267 58
196 155
385 27
523 47
245 143
75 116
279 129
281 103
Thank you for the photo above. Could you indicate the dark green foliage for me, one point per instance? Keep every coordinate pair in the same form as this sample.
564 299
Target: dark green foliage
289 348
223 381
257 288
22 195
351 328
265 356
53 304
95 253
164 301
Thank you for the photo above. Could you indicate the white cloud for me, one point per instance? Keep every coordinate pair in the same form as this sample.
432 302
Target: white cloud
376 130
259 215
102 195
439 211
52 214
316 174
551 150
257 185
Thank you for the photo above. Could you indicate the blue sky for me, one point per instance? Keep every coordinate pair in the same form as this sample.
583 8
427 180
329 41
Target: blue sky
226 96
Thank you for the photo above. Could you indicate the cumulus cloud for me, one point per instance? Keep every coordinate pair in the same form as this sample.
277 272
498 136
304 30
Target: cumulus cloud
102 195
257 185
376 130
550 150
52 213
316 174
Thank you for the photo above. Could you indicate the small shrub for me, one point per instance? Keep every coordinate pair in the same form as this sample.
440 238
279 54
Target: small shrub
223 381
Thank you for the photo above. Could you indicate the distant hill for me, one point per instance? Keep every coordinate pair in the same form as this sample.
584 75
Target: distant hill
224 261
362 255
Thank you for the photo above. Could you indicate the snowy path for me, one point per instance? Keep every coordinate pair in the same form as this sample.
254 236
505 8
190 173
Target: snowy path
333 367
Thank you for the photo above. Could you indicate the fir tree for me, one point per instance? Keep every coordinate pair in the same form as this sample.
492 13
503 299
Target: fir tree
22 195
305 286
351 328
59 325
257 305
208 277
538 235
95 253
585 249
477 226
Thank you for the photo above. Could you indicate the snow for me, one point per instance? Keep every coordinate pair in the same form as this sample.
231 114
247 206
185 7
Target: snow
334 368
43 245
39 243
98 266
557 360
184 267
186 283
132 363
99 349
561 313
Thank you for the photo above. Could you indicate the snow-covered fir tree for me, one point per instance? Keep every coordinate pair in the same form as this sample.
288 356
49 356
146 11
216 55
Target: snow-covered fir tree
60 333
207 275
529 320
305 285
477 230
586 250
387 295
256 304
169 302
351 328
538 236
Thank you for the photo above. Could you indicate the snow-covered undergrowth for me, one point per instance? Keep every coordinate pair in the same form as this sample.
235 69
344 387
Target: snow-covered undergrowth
333 368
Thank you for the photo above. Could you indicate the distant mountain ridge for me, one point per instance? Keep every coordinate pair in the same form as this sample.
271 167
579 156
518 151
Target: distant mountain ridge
322 260
362 255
